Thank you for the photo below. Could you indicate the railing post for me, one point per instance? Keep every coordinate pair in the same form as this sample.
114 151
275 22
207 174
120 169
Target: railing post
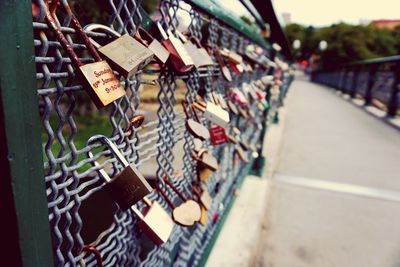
354 82
22 188
393 102
371 79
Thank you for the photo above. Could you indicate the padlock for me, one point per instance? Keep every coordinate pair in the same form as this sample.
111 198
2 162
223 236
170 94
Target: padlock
196 51
124 53
203 217
99 80
188 212
204 197
179 57
239 97
194 127
232 107
145 38
231 56
129 186
197 144
206 159
185 214
155 222
224 69
218 135
214 113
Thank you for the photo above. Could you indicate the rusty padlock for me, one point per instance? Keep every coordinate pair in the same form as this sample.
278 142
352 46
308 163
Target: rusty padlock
179 57
129 186
188 212
145 38
124 52
99 80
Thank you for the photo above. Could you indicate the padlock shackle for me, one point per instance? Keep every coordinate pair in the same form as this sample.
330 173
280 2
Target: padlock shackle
102 28
52 24
164 195
110 145
164 35
134 123
92 250
170 184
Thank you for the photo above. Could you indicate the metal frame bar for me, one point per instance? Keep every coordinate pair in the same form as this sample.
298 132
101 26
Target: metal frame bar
21 151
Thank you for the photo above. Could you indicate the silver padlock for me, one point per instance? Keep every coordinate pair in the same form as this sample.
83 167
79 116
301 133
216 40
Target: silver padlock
124 53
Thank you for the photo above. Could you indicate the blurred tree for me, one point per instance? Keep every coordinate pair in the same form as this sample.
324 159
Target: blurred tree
150 5
346 42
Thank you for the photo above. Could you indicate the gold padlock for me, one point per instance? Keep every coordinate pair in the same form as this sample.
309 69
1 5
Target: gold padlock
155 222
124 53
203 217
99 80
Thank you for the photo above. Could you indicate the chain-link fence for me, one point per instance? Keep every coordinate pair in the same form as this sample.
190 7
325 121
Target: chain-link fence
79 213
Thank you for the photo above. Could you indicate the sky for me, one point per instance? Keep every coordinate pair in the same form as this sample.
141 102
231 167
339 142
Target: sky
326 12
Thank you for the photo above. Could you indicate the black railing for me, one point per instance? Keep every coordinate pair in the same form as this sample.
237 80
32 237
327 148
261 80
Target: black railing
375 81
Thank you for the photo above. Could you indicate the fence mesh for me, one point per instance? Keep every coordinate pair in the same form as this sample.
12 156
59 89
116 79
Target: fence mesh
78 211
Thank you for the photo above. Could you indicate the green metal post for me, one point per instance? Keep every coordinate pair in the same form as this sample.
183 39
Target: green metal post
394 94
23 197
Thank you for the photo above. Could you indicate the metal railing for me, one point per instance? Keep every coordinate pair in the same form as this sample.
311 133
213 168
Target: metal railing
76 211
376 81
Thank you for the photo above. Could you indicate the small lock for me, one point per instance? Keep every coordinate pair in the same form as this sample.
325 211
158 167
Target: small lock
231 56
207 160
203 217
214 113
224 69
155 222
218 135
124 53
127 187
198 53
239 97
160 52
179 57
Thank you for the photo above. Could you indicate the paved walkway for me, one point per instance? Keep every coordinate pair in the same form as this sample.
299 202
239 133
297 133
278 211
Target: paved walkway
335 198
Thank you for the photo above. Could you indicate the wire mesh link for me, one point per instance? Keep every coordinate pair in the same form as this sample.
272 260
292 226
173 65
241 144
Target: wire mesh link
72 181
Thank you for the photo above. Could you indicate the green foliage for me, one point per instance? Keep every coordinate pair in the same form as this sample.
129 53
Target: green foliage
346 43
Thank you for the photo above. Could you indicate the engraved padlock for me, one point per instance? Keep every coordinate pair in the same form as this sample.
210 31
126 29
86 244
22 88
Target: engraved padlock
127 187
145 38
124 52
154 221
179 57
99 80
214 113
218 135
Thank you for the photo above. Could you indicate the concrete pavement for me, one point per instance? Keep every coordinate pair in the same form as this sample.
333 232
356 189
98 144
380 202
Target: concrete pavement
334 199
